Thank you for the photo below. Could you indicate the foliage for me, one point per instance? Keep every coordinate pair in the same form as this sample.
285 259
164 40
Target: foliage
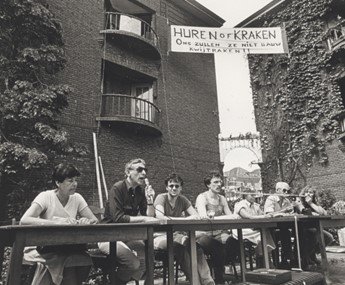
31 53
326 199
296 95
338 208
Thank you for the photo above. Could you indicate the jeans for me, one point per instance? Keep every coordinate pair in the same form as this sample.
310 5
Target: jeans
130 259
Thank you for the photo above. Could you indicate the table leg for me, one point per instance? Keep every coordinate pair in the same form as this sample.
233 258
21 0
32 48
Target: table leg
321 239
242 254
16 259
264 233
2 252
298 244
170 246
112 255
193 258
149 256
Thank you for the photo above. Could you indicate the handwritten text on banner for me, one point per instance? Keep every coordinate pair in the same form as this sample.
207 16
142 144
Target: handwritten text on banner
227 40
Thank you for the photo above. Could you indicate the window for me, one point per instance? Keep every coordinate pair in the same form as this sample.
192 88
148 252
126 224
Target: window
143 108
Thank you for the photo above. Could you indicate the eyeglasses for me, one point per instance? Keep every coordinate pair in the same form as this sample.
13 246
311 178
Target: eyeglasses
174 186
286 191
141 169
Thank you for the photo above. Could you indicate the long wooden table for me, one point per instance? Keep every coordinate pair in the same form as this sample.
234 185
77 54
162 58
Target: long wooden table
190 226
18 237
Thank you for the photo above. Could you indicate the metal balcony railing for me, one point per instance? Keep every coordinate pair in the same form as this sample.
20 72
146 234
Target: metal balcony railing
131 24
117 107
336 36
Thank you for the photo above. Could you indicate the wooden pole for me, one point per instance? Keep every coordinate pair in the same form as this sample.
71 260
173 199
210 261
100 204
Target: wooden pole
97 171
103 178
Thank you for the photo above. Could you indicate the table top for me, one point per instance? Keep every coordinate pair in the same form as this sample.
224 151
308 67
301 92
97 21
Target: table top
72 234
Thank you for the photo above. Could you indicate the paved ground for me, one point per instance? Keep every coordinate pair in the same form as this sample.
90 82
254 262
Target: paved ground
336 268
336 272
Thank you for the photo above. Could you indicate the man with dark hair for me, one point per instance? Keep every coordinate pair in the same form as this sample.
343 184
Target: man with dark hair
128 198
172 205
217 243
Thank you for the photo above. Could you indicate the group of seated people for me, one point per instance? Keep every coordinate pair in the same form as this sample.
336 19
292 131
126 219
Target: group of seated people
132 200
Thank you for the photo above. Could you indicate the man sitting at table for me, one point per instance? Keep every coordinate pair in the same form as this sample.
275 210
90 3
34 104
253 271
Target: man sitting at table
248 209
219 244
172 205
279 205
128 198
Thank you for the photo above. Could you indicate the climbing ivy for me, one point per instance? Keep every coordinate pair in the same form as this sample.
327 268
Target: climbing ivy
296 95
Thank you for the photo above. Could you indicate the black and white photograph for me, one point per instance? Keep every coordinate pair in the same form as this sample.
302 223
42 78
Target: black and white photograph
192 142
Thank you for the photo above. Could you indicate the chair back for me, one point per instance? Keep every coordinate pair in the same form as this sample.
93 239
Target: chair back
97 211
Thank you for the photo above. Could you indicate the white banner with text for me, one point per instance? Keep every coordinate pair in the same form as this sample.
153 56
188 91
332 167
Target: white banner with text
228 40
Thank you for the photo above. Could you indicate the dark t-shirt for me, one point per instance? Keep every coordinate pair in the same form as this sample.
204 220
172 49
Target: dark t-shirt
181 205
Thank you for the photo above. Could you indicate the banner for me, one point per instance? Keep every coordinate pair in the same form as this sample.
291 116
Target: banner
228 40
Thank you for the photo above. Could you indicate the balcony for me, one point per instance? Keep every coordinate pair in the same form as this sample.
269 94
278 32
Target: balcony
131 113
336 36
132 33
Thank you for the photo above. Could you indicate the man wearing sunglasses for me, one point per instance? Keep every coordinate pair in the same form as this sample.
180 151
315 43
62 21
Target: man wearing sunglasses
172 205
279 206
127 199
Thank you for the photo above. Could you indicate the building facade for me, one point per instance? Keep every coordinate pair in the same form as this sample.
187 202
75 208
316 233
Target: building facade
140 99
299 97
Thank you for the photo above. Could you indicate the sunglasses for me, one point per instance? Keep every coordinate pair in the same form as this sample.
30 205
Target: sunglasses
286 191
141 169
174 186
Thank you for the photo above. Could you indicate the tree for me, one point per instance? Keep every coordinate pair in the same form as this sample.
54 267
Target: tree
31 54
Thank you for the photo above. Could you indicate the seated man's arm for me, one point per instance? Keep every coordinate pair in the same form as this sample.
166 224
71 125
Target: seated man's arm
245 214
200 205
193 214
269 205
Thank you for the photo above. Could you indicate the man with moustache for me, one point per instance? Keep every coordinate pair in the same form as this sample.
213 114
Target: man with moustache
127 199
219 244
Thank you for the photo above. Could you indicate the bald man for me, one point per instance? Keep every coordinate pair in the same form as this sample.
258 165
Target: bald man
281 205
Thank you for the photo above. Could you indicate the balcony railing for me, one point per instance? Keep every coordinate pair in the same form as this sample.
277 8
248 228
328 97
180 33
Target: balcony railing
336 36
129 109
130 24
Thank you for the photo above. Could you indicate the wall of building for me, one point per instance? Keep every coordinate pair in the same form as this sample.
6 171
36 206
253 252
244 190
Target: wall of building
186 94
296 97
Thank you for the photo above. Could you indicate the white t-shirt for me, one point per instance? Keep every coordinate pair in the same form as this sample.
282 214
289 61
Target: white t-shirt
52 206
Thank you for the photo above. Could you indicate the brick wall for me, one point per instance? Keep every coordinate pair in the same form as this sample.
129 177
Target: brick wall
186 94
333 175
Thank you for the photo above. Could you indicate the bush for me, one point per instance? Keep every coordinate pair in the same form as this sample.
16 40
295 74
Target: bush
326 199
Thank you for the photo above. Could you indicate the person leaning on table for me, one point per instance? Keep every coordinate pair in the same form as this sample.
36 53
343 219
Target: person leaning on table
219 244
280 205
247 208
127 199
310 244
172 205
65 264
